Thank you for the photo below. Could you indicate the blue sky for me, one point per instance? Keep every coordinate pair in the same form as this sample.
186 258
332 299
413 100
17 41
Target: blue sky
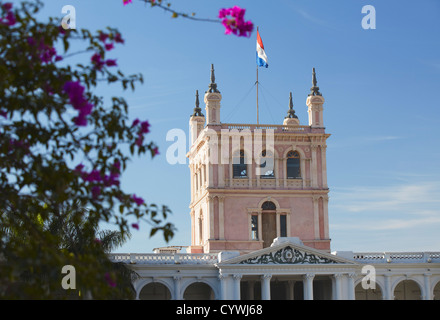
381 108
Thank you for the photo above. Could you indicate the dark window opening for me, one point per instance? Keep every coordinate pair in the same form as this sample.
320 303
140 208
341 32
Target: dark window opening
283 226
268 173
254 227
239 166
293 165
268 205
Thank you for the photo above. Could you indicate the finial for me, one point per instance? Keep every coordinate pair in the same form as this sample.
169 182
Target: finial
291 112
314 91
197 110
212 85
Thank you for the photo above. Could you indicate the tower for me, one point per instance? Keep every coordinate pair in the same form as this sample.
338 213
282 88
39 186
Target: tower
252 183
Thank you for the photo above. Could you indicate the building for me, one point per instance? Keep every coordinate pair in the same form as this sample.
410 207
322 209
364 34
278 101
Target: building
259 221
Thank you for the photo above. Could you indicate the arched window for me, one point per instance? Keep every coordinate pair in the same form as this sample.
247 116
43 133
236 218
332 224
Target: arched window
239 166
293 165
268 205
267 165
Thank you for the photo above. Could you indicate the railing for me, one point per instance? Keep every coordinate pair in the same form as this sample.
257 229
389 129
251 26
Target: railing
396 257
276 128
165 258
266 183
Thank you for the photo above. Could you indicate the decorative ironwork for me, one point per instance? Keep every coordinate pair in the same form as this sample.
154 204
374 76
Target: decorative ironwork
288 255
268 205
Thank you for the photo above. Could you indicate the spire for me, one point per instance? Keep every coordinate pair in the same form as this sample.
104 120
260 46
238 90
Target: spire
197 109
314 91
212 85
291 112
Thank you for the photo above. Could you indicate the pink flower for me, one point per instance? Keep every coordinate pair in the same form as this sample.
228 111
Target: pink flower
7 6
118 38
103 36
96 191
145 125
155 151
110 280
10 19
139 201
235 24
110 63
135 122
109 46
126 2
135 225
97 61
75 91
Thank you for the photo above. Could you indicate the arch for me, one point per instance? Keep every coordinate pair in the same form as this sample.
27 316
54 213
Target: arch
407 289
155 290
270 199
268 205
436 291
198 290
293 148
368 294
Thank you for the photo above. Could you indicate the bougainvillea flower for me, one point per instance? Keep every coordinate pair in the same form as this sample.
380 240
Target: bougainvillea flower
110 280
233 21
75 91
137 200
135 225
126 2
110 63
97 61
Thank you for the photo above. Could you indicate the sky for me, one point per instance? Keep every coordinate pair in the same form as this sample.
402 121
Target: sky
381 106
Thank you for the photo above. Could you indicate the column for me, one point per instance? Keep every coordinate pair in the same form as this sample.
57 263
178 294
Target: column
427 289
265 286
338 279
324 166
222 278
210 216
237 279
351 288
221 217
314 170
308 286
177 280
387 295
316 216
291 291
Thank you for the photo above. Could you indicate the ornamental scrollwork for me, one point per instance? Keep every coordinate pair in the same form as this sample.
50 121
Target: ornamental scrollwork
288 255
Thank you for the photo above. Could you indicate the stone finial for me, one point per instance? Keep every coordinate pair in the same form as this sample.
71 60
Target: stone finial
197 110
291 112
212 85
314 91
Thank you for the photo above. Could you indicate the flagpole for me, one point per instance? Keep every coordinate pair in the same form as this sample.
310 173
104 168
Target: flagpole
257 95
257 89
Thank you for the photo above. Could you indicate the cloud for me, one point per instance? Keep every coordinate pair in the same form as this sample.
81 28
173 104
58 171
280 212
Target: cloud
379 208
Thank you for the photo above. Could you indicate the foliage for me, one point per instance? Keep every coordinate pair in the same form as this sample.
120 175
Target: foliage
59 145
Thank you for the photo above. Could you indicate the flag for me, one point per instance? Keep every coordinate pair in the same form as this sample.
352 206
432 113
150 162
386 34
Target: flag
261 55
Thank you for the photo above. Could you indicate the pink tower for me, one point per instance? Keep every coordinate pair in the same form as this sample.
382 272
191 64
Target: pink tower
252 183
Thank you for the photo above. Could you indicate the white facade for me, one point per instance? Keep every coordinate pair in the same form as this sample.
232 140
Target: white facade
287 270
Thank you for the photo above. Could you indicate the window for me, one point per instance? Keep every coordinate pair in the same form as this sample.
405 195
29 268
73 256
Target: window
268 205
283 225
267 165
293 165
239 166
254 227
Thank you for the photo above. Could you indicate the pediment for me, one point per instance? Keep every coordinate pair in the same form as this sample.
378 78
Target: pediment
287 253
